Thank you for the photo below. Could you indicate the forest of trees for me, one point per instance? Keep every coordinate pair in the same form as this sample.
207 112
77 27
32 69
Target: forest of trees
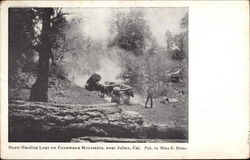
44 43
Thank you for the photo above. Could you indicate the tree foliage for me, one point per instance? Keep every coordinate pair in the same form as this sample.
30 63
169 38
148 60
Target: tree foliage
157 63
133 72
21 36
132 32
37 35
33 34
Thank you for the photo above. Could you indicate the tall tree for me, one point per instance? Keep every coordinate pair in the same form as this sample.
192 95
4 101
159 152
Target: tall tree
39 90
52 20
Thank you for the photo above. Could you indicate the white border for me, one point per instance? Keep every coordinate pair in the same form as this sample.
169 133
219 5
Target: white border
218 83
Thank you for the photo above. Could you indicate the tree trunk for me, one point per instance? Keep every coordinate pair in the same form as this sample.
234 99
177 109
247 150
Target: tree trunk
39 90
54 122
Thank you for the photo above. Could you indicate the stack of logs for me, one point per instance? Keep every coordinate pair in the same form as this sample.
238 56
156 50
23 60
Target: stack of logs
119 93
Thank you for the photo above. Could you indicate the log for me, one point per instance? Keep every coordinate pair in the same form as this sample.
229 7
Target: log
34 121
50 122
107 139
89 139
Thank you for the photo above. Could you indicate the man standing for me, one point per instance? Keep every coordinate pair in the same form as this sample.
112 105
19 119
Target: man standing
150 93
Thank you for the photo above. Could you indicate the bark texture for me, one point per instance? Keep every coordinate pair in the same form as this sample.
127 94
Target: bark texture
46 122
39 90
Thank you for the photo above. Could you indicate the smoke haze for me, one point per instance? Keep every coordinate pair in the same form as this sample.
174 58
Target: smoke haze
99 58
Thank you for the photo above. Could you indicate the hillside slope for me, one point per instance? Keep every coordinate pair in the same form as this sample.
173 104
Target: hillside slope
60 91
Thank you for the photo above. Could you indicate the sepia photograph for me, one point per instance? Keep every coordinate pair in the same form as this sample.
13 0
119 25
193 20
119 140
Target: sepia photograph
124 79
89 75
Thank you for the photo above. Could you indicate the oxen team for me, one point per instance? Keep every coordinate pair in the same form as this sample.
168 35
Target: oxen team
115 90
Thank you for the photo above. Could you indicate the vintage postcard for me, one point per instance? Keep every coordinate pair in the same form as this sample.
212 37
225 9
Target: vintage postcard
124 79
